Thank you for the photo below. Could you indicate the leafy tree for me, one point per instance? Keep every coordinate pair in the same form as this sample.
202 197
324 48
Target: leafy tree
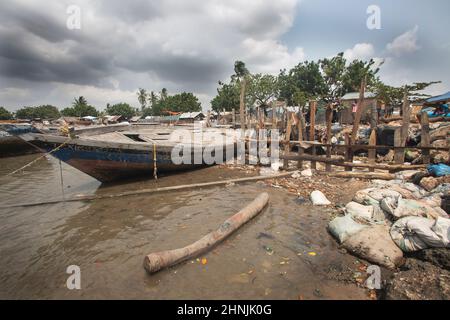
333 71
80 108
142 97
393 96
305 77
227 97
181 102
5 114
355 73
41 112
121 109
262 88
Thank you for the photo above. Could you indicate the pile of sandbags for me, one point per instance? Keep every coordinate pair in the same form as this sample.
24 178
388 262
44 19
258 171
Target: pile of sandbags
392 217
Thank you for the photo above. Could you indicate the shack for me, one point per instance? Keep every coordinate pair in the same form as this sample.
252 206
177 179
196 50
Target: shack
346 112
190 117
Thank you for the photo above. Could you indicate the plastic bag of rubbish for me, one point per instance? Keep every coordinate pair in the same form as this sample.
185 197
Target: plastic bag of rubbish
373 196
363 197
417 233
439 170
410 207
360 211
319 199
375 245
344 227
389 205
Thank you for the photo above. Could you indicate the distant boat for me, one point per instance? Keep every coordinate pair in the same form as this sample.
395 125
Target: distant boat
117 155
10 144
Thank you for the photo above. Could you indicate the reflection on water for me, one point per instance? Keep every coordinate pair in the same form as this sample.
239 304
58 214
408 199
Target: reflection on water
108 239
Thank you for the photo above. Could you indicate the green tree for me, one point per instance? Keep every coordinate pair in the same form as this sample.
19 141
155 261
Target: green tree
5 114
393 96
41 112
142 98
80 108
262 89
121 109
227 97
305 77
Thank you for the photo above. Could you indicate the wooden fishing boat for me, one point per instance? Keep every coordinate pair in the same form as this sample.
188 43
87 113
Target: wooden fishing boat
122 154
10 144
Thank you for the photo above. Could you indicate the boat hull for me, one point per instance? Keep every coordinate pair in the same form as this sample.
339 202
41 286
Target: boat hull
109 163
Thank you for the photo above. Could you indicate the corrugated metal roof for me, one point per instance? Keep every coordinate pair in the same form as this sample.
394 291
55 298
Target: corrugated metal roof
190 115
442 98
355 96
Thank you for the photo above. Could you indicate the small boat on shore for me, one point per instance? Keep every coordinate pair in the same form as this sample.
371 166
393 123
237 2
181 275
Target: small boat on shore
120 154
10 144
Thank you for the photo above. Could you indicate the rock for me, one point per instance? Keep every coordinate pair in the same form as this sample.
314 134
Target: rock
431 183
319 199
411 155
307 173
296 175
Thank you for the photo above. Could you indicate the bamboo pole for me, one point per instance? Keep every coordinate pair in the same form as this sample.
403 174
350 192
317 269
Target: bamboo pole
242 107
359 111
312 120
425 137
372 153
154 262
287 147
329 119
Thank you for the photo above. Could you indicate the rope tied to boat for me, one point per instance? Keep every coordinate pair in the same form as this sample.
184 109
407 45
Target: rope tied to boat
155 168
39 158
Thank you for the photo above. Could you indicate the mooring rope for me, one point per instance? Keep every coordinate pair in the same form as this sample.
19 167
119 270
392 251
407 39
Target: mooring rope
155 168
39 158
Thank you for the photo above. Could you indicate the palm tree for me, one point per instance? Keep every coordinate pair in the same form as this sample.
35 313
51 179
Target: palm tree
241 73
152 99
81 101
163 94
142 97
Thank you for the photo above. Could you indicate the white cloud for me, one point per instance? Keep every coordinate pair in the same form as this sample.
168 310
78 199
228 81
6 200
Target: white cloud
269 56
363 51
187 45
405 43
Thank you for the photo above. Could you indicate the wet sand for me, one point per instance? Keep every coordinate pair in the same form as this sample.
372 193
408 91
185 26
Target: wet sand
271 257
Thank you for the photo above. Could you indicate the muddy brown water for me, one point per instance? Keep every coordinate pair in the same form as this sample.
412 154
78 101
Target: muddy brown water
271 257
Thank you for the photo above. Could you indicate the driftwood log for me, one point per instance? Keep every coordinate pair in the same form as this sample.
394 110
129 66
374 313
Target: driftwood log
157 261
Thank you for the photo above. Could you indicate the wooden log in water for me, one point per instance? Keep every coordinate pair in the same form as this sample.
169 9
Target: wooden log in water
154 262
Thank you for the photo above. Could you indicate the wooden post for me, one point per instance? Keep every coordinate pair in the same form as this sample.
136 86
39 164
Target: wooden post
312 117
274 116
399 154
372 152
425 137
287 147
348 152
402 135
314 153
300 139
233 117
329 119
242 108
208 117
359 111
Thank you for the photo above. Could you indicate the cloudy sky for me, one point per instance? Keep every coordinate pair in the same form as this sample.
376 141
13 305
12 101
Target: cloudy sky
189 45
